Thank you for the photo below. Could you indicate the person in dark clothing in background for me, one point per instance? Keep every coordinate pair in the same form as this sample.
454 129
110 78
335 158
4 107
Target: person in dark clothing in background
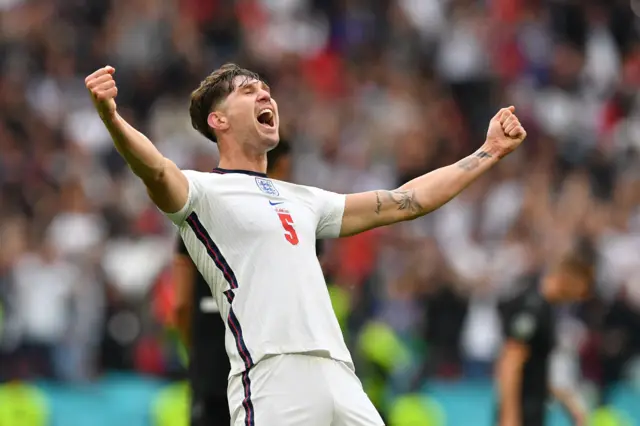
620 341
523 366
202 331
279 162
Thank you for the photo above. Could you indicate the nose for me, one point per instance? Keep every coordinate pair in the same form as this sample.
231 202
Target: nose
264 96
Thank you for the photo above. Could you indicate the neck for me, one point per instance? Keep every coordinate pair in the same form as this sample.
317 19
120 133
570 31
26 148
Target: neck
258 165
235 158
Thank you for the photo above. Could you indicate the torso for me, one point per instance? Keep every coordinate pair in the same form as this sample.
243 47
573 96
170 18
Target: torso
530 317
253 239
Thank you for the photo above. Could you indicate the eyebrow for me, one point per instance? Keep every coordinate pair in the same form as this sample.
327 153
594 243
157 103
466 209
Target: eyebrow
258 82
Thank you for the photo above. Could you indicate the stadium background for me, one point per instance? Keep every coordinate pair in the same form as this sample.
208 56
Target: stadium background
372 93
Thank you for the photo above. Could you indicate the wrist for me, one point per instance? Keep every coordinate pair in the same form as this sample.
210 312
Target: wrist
494 151
109 118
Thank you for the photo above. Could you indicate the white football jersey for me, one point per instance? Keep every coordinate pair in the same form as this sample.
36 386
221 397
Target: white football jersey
253 240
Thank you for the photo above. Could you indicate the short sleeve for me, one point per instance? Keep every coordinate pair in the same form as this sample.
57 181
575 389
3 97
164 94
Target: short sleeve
330 209
194 194
522 325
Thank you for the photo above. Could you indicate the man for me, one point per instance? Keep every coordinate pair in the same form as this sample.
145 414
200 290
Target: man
522 370
253 239
198 322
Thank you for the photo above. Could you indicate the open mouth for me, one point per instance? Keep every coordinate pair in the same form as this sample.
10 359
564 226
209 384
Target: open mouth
267 118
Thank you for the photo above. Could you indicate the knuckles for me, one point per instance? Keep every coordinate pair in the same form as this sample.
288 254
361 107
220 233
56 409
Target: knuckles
96 90
93 83
101 89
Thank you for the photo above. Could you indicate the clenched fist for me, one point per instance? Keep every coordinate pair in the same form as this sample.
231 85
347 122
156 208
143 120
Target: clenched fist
505 132
103 91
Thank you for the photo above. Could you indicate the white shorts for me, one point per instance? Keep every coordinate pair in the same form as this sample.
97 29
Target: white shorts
300 390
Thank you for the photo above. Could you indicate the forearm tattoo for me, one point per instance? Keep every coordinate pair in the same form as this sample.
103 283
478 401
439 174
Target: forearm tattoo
473 161
403 199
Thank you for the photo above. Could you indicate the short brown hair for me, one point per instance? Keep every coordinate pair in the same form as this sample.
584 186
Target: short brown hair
212 90
581 259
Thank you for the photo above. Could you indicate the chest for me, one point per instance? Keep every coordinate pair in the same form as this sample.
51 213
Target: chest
251 216
544 338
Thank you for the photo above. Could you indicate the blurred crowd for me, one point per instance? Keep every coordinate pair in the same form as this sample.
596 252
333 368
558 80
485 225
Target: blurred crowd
372 93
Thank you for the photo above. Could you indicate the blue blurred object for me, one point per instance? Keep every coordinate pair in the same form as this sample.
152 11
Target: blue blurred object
128 400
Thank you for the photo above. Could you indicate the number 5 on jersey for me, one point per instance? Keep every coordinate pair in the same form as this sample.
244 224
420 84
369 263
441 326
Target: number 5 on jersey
290 232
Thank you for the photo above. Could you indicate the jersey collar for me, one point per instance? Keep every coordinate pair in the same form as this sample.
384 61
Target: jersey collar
243 172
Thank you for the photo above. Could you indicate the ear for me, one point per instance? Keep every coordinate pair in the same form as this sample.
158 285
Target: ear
217 121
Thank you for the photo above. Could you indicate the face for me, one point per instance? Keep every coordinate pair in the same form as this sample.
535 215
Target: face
570 286
249 114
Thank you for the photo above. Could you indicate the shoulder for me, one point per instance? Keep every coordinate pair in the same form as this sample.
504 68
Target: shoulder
198 180
200 187
209 183
310 191
528 301
300 190
288 190
319 199
526 315
196 176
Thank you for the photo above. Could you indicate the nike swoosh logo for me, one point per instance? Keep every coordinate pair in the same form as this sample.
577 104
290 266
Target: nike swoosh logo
275 204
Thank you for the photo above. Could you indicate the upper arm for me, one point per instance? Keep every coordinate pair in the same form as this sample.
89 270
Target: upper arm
520 328
328 208
509 369
367 210
177 196
514 354
170 191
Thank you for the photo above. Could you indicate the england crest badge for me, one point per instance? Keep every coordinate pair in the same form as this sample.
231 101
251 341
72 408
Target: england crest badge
266 186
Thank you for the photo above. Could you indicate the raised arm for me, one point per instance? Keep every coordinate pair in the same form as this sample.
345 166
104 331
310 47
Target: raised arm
426 193
166 184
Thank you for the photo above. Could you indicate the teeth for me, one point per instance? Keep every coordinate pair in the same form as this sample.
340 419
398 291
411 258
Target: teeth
269 116
267 111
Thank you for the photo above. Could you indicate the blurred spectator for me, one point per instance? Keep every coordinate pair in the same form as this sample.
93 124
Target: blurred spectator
44 286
